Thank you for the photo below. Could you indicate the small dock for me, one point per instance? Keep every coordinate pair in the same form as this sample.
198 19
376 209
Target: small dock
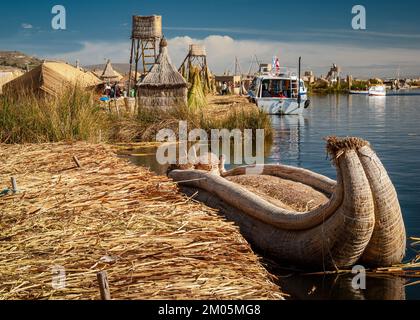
77 210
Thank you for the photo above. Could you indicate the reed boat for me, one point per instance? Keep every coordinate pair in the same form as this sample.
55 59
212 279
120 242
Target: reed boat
360 221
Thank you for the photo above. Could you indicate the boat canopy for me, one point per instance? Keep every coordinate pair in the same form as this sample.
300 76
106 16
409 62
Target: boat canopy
275 87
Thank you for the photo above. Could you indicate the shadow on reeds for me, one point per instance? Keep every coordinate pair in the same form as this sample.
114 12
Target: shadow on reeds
27 118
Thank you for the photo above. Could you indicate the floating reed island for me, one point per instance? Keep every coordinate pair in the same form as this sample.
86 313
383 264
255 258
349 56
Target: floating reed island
306 219
81 209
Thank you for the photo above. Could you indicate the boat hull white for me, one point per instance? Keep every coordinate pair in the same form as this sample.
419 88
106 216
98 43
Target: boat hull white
281 106
359 92
377 91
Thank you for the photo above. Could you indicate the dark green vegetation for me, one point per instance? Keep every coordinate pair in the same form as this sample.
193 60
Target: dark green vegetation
326 88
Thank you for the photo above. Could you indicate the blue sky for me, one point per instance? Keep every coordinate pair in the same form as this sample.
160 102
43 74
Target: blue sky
392 38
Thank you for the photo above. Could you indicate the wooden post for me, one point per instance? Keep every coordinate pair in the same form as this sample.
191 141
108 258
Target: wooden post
104 285
350 81
76 161
14 184
183 63
137 62
131 65
300 67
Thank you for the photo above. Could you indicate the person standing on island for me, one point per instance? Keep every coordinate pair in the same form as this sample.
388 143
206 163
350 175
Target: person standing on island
224 88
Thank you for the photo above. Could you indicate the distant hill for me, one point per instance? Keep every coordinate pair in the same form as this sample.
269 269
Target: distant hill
18 59
121 68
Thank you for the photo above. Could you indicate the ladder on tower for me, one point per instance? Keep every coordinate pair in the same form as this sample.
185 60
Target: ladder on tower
148 54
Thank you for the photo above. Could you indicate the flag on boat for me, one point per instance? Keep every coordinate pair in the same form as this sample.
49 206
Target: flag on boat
276 64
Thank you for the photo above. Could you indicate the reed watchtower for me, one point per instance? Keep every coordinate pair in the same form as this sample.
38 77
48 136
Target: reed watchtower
197 57
145 37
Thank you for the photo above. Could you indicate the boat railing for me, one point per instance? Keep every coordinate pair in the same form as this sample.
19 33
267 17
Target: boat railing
284 71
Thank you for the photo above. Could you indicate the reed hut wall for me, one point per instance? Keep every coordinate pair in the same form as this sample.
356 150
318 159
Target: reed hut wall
162 97
147 27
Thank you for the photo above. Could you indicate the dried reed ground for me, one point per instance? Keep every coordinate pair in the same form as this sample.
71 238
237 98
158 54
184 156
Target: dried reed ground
110 215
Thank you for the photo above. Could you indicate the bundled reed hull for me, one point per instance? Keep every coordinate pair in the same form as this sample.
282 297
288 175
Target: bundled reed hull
357 224
388 243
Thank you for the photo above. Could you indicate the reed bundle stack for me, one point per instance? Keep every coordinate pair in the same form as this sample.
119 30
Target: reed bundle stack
196 96
82 209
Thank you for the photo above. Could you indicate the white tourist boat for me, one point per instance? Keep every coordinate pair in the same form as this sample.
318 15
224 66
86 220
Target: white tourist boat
378 90
279 92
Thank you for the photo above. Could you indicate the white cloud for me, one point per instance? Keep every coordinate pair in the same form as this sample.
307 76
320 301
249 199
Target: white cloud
222 50
97 52
27 26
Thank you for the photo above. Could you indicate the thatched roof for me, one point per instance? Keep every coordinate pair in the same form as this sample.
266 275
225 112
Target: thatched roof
109 73
163 74
7 75
50 77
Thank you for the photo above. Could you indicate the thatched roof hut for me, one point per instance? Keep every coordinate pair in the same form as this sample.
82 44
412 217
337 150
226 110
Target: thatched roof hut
51 77
7 75
163 86
109 74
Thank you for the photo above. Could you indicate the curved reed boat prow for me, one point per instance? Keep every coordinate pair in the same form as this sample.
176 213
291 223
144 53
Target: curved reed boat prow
360 223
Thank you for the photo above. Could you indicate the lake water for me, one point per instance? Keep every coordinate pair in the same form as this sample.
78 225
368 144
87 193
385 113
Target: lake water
392 125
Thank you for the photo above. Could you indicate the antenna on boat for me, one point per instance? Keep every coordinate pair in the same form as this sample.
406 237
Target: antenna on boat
299 71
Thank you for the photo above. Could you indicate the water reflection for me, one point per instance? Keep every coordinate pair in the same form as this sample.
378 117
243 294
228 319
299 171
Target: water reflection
378 103
287 139
340 287
146 157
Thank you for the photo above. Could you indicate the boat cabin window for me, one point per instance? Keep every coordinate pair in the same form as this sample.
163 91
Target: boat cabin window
254 85
278 88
